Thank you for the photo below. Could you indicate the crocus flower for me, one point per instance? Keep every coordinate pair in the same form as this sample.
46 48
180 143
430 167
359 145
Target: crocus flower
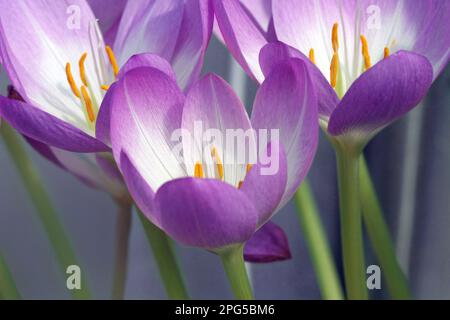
370 61
208 199
60 66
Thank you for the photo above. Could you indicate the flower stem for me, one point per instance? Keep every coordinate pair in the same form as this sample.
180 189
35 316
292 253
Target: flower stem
379 236
317 243
8 289
351 224
233 263
123 227
165 259
49 219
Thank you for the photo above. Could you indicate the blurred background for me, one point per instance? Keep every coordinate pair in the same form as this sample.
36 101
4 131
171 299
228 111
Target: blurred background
409 162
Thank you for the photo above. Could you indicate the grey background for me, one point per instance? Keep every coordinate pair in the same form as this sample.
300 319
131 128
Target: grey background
410 165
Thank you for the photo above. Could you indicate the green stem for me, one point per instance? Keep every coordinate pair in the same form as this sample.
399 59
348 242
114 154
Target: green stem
165 259
39 197
233 263
380 238
351 224
317 242
123 226
8 289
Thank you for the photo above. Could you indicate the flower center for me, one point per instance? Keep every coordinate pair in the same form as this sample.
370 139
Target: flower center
218 172
335 74
92 89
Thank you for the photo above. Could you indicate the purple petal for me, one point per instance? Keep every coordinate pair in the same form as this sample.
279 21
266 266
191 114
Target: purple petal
37 39
102 125
274 53
192 42
287 101
136 61
149 26
146 109
212 103
108 14
266 189
148 60
205 213
381 95
39 125
432 22
242 36
83 166
139 189
45 151
261 11
268 244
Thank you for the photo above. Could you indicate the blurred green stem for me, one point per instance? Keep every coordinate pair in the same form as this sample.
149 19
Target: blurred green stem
380 238
165 259
49 219
233 263
317 242
123 226
351 222
8 289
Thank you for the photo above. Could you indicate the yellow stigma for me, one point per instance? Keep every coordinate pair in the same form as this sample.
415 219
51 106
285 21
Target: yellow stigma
219 164
334 69
334 37
386 52
104 87
198 170
365 53
311 56
72 83
82 69
88 103
112 60
248 168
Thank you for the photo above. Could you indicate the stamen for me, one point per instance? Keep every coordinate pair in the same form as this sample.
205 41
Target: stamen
104 87
334 37
112 60
248 168
311 56
240 184
72 83
219 163
334 69
198 170
82 70
365 53
386 52
88 103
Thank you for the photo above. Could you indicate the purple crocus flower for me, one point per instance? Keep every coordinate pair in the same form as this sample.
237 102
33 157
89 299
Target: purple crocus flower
371 61
208 199
60 66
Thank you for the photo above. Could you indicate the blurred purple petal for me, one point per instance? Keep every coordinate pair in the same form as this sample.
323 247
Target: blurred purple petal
108 14
242 36
192 42
149 26
268 244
